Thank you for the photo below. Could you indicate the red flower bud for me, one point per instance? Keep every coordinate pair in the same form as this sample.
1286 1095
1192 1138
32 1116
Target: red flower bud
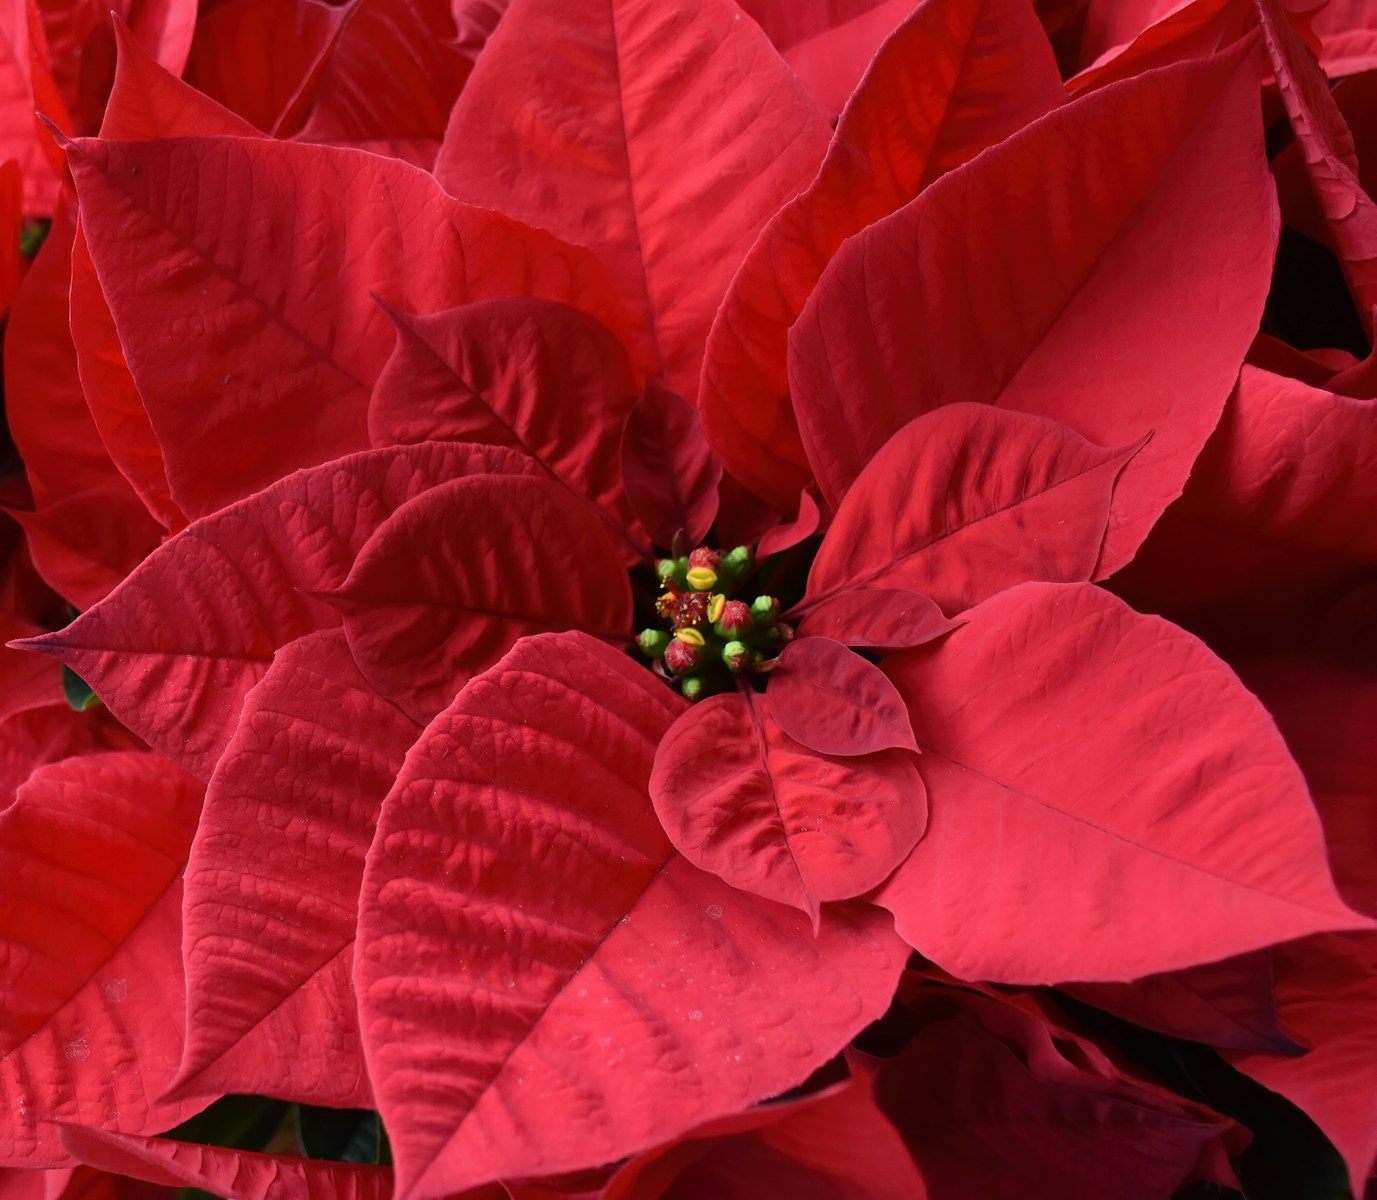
735 620
681 657
705 557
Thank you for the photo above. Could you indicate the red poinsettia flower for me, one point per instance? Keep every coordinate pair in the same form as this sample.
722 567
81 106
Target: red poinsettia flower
434 453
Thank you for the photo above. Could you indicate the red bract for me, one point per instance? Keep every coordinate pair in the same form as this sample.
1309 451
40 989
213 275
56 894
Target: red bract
623 594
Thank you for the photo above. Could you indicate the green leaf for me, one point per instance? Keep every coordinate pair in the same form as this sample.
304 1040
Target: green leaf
78 691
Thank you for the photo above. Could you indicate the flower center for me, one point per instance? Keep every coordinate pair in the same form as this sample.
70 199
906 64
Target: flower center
711 635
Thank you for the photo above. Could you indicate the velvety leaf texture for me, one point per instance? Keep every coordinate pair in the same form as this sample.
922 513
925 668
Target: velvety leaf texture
836 702
1185 799
273 877
576 121
493 996
86 1027
885 618
454 577
240 273
966 501
740 798
175 649
1098 249
540 377
954 78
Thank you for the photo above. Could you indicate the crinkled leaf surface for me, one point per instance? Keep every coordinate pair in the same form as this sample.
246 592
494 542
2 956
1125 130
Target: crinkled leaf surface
740 798
885 618
271 893
1114 258
956 77
666 164
966 501
234 1174
1097 779
671 475
455 576
89 1030
532 950
175 649
835 701
240 273
541 377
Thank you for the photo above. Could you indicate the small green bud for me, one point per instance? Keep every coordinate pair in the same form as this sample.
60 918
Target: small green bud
738 656
737 563
764 609
693 686
664 569
652 642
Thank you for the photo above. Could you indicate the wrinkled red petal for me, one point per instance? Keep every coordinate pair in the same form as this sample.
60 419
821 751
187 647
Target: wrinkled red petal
666 165
1177 229
532 951
742 799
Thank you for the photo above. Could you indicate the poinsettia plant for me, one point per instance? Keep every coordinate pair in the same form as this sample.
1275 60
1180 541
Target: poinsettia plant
633 599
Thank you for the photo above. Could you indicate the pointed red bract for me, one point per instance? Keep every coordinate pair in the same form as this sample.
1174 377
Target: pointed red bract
174 651
235 1174
667 165
671 475
1118 300
273 877
88 1032
531 951
280 226
740 798
836 702
148 101
966 501
885 618
540 377
956 77
1134 784
450 581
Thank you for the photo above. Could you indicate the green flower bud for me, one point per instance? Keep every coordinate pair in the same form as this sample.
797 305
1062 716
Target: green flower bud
738 656
652 642
692 687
